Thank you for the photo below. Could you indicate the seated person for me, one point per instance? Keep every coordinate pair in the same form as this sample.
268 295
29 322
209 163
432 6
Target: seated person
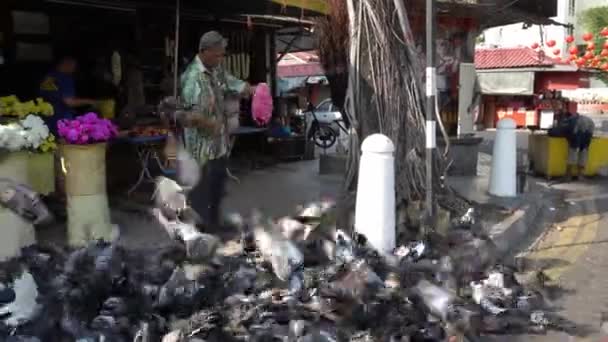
278 129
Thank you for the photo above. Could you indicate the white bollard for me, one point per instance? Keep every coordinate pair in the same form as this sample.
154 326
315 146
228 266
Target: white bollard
503 178
375 207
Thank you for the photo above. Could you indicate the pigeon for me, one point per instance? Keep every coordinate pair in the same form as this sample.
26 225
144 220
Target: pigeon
200 247
170 198
281 253
435 298
24 201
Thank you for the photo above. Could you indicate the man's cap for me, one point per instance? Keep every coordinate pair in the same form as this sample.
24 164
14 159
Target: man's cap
212 39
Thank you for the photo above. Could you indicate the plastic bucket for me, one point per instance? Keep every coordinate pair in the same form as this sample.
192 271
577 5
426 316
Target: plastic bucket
41 172
14 165
84 167
87 201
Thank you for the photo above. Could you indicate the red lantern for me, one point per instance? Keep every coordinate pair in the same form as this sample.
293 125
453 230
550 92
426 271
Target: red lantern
591 46
551 43
604 32
572 58
574 50
587 36
557 51
604 53
606 44
589 55
597 59
604 67
534 46
580 62
569 39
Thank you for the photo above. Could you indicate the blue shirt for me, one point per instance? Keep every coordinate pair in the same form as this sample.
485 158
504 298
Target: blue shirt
54 88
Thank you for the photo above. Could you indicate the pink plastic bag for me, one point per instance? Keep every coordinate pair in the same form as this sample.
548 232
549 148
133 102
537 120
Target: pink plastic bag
261 105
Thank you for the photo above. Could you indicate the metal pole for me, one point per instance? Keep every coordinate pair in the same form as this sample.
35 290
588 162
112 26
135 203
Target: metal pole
176 50
431 93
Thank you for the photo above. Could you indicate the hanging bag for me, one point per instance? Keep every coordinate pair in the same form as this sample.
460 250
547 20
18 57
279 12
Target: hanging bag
261 105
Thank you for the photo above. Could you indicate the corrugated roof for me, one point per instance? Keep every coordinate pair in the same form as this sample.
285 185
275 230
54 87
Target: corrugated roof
504 58
299 70
300 64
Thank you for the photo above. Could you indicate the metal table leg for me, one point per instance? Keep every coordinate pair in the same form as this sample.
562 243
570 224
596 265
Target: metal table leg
143 154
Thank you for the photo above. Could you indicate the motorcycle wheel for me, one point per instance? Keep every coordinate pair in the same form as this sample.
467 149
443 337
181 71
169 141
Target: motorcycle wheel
324 136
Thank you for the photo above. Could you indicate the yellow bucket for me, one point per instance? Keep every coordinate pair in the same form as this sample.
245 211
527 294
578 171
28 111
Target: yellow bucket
550 155
107 108
41 172
84 167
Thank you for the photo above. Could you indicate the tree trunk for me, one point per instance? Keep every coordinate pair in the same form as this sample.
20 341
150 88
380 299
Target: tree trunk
387 91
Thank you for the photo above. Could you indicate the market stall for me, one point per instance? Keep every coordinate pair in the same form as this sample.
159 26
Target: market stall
548 105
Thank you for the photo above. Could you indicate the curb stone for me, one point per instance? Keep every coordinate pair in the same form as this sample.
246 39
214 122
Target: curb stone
513 230
510 234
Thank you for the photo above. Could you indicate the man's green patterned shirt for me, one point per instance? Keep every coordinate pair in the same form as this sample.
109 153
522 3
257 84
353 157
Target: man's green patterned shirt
204 90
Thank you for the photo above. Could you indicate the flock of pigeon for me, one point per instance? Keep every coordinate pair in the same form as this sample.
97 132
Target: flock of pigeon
297 279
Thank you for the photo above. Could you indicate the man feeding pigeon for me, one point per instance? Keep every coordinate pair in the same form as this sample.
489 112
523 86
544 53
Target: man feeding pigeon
578 130
204 86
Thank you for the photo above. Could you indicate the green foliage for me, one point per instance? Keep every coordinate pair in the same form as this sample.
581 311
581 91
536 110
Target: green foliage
594 20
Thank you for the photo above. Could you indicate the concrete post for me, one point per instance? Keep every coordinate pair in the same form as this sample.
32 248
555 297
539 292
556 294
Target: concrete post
375 207
503 178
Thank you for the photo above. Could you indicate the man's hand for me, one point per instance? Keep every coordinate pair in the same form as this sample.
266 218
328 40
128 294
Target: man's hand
248 91
77 102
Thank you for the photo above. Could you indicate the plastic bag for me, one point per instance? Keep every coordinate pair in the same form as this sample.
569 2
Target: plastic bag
261 105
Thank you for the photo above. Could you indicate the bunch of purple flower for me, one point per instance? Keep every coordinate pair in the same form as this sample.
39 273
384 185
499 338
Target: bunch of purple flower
86 129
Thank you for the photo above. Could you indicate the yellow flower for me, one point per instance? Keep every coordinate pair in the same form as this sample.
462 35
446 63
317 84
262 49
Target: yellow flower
48 144
11 106
9 100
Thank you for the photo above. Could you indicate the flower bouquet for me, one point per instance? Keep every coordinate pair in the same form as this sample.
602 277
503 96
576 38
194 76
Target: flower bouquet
11 106
83 152
86 129
30 133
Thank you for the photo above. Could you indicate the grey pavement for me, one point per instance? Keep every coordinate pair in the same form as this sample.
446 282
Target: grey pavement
279 189
276 190
578 256
510 232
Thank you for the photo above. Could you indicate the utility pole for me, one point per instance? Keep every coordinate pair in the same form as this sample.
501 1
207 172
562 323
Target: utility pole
176 51
431 93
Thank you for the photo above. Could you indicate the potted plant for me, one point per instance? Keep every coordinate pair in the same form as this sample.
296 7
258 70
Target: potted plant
83 161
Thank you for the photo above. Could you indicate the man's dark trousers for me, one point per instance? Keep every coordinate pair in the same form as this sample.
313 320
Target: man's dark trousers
207 195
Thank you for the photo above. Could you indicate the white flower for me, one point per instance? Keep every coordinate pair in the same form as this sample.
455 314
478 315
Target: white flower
36 130
12 137
31 132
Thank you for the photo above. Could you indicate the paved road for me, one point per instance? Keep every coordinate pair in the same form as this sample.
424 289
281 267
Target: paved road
574 250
